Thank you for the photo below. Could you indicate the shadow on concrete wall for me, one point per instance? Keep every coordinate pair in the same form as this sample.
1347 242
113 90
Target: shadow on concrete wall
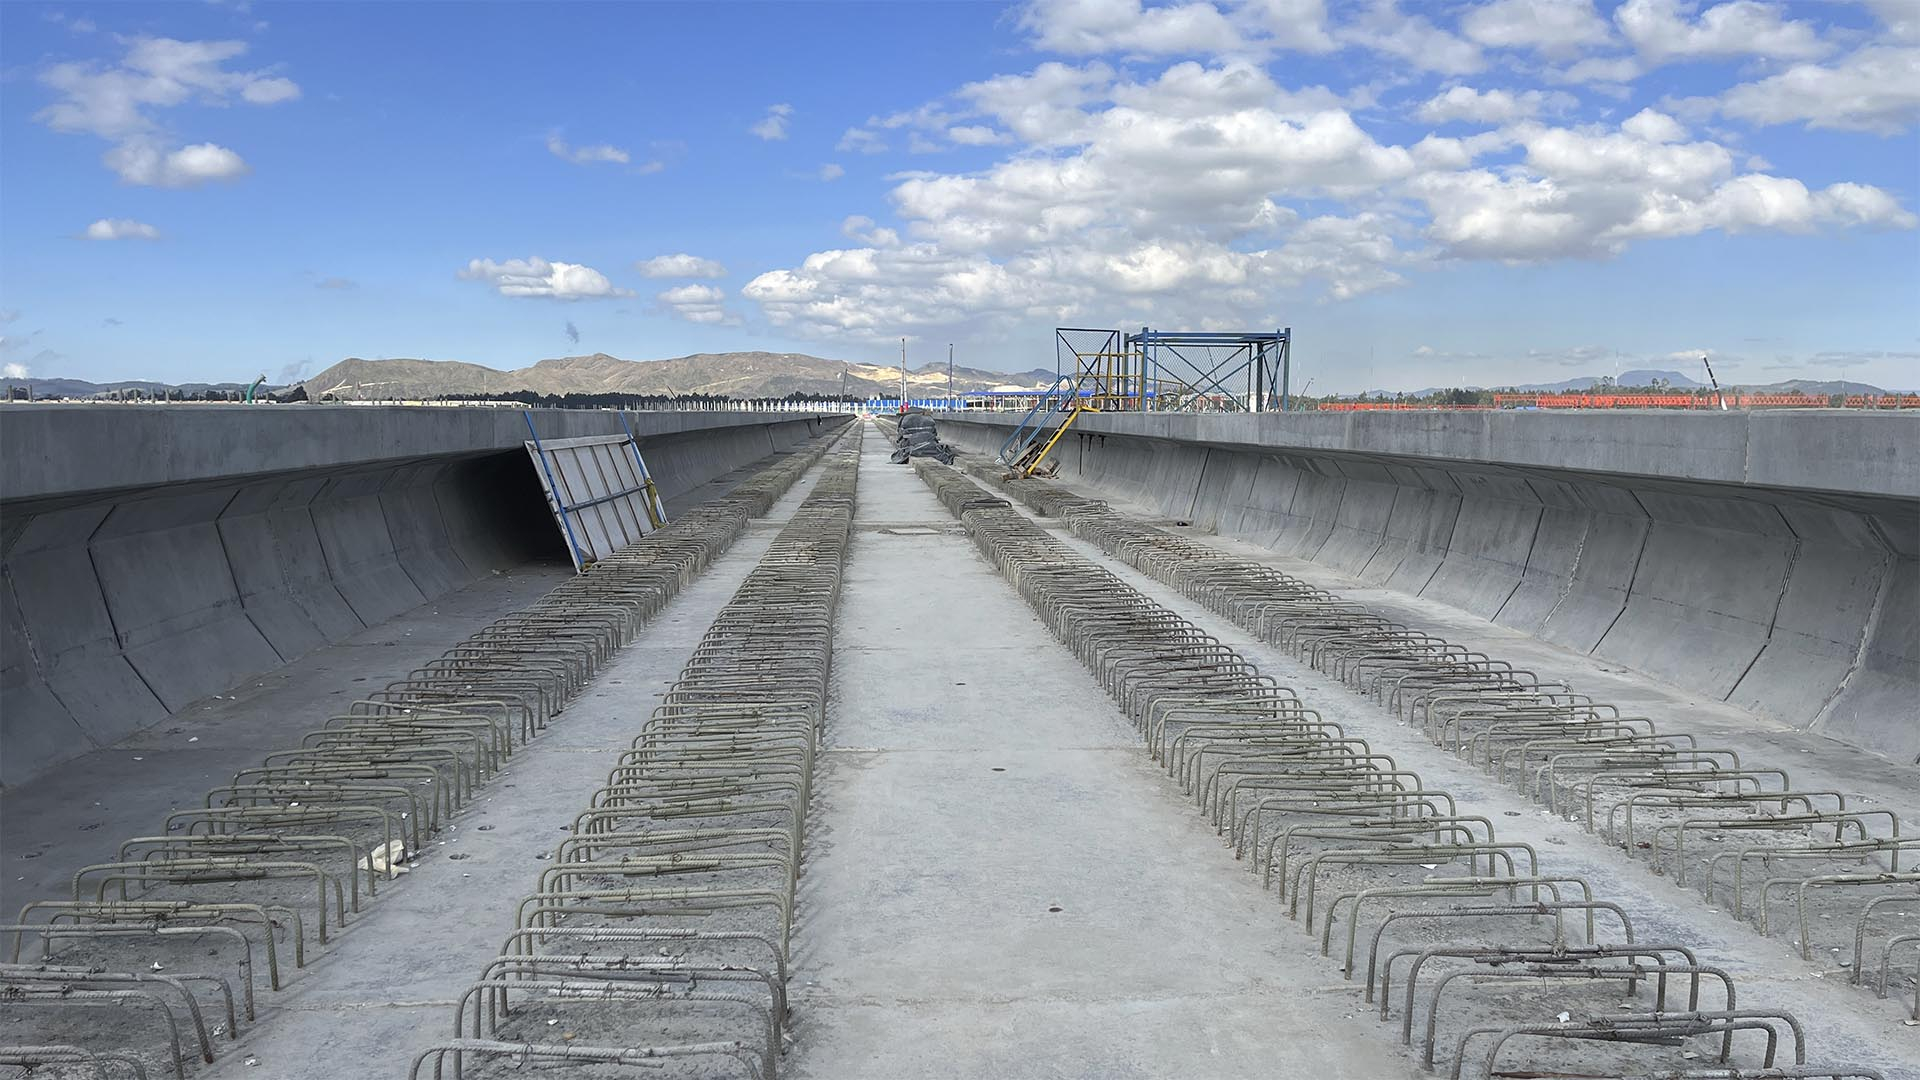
121 609
1797 606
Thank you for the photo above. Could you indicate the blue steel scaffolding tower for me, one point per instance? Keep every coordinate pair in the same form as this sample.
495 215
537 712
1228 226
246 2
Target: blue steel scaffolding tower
1195 371
1151 371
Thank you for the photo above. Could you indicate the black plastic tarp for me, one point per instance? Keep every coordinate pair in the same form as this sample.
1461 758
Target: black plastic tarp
919 438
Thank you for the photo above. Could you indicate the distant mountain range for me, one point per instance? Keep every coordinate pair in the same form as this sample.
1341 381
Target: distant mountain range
735 374
81 388
1642 377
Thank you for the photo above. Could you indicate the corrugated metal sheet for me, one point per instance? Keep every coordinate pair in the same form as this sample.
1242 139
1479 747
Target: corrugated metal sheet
600 492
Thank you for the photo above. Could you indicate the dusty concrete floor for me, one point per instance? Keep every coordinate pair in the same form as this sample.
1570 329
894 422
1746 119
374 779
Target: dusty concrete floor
78 812
386 986
1848 1022
975 780
1815 761
388 989
997 884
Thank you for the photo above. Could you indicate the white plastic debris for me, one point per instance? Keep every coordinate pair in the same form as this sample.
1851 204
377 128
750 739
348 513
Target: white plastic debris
388 859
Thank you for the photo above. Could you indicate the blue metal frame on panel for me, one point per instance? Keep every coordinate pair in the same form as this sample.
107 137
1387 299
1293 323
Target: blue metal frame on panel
553 485
656 510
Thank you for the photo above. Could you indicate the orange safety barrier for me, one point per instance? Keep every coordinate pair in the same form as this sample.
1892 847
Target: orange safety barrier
1606 401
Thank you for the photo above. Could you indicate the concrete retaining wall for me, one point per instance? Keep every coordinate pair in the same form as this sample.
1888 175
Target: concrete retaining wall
124 603
1764 559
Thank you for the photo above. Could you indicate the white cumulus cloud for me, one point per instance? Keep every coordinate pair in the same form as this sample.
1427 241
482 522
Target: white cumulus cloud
1875 89
121 229
977 135
1210 194
118 102
1414 39
861 141
600 153
1084 27
773 126
1554 28
537 278
1490 106
680 266
697 304
1664 30
140 161
1297 25
1590 194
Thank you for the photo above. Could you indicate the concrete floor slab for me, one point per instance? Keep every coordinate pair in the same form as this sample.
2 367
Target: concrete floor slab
78 812
998 883
413 954
1853 1025
1816 761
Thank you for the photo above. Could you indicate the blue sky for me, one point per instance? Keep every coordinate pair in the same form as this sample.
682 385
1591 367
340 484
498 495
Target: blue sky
1472 191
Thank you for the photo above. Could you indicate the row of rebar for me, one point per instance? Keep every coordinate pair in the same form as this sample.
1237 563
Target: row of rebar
1497 964
291 850
1739 831
659 935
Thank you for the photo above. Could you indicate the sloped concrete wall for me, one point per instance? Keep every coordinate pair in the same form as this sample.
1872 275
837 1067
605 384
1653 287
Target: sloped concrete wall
1765 560
121 606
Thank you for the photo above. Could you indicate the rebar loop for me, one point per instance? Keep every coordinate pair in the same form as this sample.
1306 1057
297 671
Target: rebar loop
1505 966
657 936
1742 833
292 850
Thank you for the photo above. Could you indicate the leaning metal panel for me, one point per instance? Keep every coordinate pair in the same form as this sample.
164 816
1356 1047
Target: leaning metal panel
599 491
